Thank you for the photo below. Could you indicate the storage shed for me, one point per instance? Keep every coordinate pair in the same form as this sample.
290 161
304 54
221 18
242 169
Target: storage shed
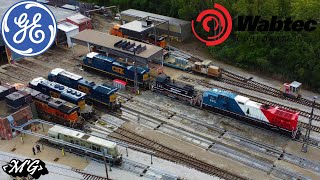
178 28
83 22
65 31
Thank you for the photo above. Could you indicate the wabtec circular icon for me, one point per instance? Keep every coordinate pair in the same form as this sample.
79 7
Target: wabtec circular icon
28 28
222 25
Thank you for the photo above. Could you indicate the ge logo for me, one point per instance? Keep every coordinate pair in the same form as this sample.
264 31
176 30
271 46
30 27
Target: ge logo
222 25
28 28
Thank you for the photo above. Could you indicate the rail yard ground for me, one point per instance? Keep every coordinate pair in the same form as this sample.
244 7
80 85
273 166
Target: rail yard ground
222 142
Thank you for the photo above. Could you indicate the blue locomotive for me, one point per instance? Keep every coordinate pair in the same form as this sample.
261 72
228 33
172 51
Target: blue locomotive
98 94
114 68
57 90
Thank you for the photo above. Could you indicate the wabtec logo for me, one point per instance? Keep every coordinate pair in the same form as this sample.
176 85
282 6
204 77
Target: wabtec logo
250 23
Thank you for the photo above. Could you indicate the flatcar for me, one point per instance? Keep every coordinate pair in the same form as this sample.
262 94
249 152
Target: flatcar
51 109
98 94
113 68
243 108
86 140
178 90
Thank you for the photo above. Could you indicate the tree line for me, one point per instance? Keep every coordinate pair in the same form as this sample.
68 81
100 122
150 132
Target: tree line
286 55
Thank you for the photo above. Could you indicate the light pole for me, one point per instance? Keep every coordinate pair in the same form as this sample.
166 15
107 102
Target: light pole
307 136
105 162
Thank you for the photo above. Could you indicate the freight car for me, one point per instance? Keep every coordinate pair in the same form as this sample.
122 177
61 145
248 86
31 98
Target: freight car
57 90
232 105
110 66
97 94
86 140
178 90
51 109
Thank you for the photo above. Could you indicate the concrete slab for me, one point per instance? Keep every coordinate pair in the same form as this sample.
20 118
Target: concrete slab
201 154
56 171
47 154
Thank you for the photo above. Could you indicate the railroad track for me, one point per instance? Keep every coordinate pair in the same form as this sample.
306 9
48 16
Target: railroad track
172 155
87 176
259 87
243 82
260 100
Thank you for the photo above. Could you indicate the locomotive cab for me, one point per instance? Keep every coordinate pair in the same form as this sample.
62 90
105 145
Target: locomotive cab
292 90
160 40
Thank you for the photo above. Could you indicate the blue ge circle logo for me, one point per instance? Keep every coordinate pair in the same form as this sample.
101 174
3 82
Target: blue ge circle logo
28 28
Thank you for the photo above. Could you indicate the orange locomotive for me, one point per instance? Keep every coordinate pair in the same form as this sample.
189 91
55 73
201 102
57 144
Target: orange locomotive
56 110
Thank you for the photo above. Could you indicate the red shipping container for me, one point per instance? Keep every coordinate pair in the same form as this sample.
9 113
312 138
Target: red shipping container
80 20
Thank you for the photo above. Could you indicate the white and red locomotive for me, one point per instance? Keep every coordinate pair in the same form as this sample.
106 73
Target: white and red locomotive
232 105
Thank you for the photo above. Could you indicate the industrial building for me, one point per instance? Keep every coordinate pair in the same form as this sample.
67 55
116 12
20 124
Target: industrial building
65 31
179 29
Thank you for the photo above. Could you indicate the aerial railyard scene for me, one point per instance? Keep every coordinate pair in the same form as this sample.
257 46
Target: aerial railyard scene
175 89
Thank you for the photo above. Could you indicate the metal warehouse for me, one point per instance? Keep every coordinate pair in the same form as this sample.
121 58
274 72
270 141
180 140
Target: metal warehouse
178 28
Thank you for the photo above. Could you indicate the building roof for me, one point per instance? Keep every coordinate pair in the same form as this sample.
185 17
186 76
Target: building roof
70 6
67 27
79 18
108 41
137 26
142 14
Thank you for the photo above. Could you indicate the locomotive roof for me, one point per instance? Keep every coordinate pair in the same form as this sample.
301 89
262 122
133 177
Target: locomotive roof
72 93
59 71
217 92
31 91
82 136
286 114
140 70
16 95
242 99
166 79
295 84
104 88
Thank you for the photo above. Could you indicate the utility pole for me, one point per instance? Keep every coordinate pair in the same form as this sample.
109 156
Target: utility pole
136 85
307 136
